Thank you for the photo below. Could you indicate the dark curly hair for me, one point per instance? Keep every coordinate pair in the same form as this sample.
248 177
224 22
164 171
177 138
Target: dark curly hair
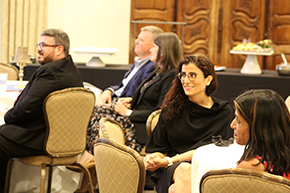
176 99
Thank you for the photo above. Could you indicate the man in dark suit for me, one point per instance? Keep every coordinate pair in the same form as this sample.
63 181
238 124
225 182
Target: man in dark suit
140 69
24 130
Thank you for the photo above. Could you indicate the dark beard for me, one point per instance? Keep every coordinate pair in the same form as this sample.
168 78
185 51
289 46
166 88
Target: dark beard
47 59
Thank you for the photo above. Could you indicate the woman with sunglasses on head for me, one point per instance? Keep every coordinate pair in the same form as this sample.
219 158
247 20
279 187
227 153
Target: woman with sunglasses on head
188 120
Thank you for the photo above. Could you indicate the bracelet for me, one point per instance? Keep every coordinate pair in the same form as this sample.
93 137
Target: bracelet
169 161
178 157
128 113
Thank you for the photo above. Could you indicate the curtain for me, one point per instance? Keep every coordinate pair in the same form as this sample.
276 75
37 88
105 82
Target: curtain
22 23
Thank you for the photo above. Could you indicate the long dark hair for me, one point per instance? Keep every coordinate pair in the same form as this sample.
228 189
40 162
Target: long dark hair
169 53
176 99
269 125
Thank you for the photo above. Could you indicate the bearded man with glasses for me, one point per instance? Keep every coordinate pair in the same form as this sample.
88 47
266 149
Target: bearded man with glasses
24 130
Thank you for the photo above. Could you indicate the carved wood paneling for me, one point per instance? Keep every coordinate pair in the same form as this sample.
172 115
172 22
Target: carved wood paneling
279 31
242 19
150 10
216 26
198 36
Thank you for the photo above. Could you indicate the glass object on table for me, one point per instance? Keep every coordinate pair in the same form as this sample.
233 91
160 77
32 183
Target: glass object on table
21 58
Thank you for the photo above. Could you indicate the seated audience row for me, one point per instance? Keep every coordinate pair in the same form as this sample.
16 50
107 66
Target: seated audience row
132 112
141 68
190 117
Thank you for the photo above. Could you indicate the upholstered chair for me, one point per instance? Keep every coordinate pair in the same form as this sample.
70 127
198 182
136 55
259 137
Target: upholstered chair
243 180
67 113
12 71
119 168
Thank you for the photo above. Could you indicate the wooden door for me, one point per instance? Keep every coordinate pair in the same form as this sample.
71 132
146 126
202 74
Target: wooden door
200 33
214 27
150 10
278 29
242 19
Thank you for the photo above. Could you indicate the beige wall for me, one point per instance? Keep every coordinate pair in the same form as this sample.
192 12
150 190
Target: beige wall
100 23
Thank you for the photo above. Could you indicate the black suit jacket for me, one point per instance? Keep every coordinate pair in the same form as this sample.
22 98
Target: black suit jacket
149 100
24 123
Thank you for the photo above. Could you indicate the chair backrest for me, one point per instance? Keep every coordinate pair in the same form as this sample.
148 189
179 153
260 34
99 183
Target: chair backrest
111 129
152 120
12 71
119 168
67 113
243 180
96 91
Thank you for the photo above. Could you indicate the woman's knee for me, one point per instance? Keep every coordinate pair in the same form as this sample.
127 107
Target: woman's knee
183 171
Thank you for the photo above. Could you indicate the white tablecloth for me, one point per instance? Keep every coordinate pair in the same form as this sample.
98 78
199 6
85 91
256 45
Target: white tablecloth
27 178
7 100
211 157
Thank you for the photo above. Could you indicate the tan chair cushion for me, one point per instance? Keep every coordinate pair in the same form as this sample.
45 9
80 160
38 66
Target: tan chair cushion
111 129
119 168
243 180
152 121
67 117
12 71
39 160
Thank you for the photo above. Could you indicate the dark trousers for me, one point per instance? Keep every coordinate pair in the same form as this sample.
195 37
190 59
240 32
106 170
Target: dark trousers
10 149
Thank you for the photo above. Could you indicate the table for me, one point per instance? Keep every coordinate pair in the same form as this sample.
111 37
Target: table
231 82
100 77
8 98
210 157
26 178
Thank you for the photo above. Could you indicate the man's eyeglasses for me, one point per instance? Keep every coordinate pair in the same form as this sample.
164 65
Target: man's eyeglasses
191 76
43 45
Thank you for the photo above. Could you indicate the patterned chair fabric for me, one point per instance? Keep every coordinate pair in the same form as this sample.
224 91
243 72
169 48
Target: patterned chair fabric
111 129
152 121
243 180
12 71
119 168
67 113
